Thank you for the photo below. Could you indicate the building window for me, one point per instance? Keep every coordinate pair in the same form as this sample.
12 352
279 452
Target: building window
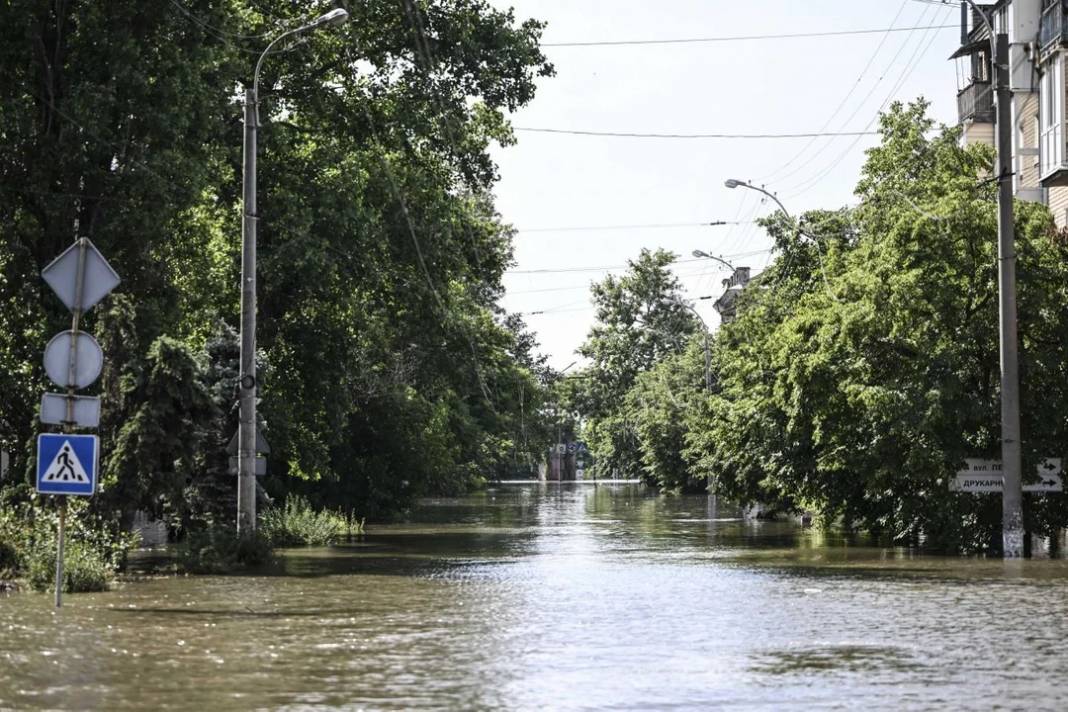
1051 117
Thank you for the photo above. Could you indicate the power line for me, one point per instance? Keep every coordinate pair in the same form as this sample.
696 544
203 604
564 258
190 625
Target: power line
741 38
845 99
650 226
917 55
612 267
712 269
829 166
624 134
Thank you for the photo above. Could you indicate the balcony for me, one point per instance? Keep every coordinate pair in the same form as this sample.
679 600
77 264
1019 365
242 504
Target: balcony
1051 33
975 103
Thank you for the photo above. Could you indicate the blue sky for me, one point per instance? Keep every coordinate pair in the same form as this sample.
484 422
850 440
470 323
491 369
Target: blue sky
798 85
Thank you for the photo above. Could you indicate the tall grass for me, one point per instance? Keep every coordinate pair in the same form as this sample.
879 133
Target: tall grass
95 548
296 523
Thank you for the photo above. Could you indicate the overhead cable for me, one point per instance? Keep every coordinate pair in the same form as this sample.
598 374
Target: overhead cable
626 266
651 226
627 134
742 38
917 56
845 100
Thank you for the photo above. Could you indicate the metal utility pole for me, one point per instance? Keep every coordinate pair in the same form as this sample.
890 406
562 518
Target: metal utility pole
1012 496
246 431
1012 528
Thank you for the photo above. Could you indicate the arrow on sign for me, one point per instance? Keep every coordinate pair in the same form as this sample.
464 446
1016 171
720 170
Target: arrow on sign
985 476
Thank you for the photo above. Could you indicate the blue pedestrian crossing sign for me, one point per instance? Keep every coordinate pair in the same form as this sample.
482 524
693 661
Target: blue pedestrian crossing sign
67 464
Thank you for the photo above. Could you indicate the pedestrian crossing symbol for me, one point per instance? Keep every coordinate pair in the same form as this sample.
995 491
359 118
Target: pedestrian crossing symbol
67 464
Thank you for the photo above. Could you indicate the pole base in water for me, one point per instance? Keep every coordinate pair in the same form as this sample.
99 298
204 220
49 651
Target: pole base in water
1012 541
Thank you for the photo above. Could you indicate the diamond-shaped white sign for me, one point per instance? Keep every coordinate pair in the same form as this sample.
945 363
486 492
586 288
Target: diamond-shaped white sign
62 276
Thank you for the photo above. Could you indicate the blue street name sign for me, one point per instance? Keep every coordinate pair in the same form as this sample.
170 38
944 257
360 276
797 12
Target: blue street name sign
67 464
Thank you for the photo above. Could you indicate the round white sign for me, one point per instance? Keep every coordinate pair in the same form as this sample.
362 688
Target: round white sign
57 355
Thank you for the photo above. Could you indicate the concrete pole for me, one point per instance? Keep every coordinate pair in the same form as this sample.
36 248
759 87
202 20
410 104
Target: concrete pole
246 432
1012 498
60 536
708 363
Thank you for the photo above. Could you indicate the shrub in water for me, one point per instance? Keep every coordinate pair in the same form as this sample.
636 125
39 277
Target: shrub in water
297 524
217 549
84 569
95 548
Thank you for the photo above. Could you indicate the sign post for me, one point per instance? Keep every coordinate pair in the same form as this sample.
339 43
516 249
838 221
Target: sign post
67 464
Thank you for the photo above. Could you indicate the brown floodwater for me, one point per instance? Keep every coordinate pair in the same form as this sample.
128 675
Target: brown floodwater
559 598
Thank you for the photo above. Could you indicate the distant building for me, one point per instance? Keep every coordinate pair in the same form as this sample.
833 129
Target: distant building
727 305
1038 40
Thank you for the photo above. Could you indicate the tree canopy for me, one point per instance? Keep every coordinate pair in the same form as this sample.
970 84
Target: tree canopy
387 368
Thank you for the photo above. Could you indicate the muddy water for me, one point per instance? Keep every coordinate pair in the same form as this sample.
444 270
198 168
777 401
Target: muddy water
554 598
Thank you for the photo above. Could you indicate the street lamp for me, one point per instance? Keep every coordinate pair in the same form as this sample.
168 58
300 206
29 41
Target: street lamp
246 437
707 256
733 183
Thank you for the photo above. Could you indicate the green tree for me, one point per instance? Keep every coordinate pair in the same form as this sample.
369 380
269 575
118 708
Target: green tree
388 370
639 322
858 391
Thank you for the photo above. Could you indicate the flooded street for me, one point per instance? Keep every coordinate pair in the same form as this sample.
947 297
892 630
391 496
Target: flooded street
581 597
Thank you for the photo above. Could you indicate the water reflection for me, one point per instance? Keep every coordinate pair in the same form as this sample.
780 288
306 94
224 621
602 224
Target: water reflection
550 597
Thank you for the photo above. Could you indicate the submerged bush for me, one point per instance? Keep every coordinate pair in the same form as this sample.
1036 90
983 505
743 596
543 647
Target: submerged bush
84 569
217 550
10 545
296 523
95 548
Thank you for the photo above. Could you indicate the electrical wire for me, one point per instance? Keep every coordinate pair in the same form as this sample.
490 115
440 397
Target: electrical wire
651 226
845 100
910 67
862 104
626 266
741 38
574 288
217 31
732 136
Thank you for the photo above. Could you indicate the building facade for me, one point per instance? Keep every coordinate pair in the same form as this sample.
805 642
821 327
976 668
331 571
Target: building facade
727 305
1038 40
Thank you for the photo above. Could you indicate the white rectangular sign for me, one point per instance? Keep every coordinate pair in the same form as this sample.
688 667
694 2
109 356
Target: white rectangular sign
978 483
86 410
986 476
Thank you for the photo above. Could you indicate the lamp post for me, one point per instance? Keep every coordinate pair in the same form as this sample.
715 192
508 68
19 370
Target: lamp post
246 437
707 256
734 183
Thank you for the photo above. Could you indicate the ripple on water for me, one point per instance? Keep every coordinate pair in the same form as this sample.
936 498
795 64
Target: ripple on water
558 598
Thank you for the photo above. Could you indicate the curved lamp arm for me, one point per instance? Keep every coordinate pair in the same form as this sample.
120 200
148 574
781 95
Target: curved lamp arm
732 183
707 256
334 17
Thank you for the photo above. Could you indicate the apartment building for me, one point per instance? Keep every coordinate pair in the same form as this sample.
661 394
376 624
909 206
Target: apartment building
1038 41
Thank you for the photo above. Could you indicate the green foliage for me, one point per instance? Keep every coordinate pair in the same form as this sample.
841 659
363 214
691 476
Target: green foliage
218 550
297 523
863 368
662 401
640 321
386 368
94 550
84 569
